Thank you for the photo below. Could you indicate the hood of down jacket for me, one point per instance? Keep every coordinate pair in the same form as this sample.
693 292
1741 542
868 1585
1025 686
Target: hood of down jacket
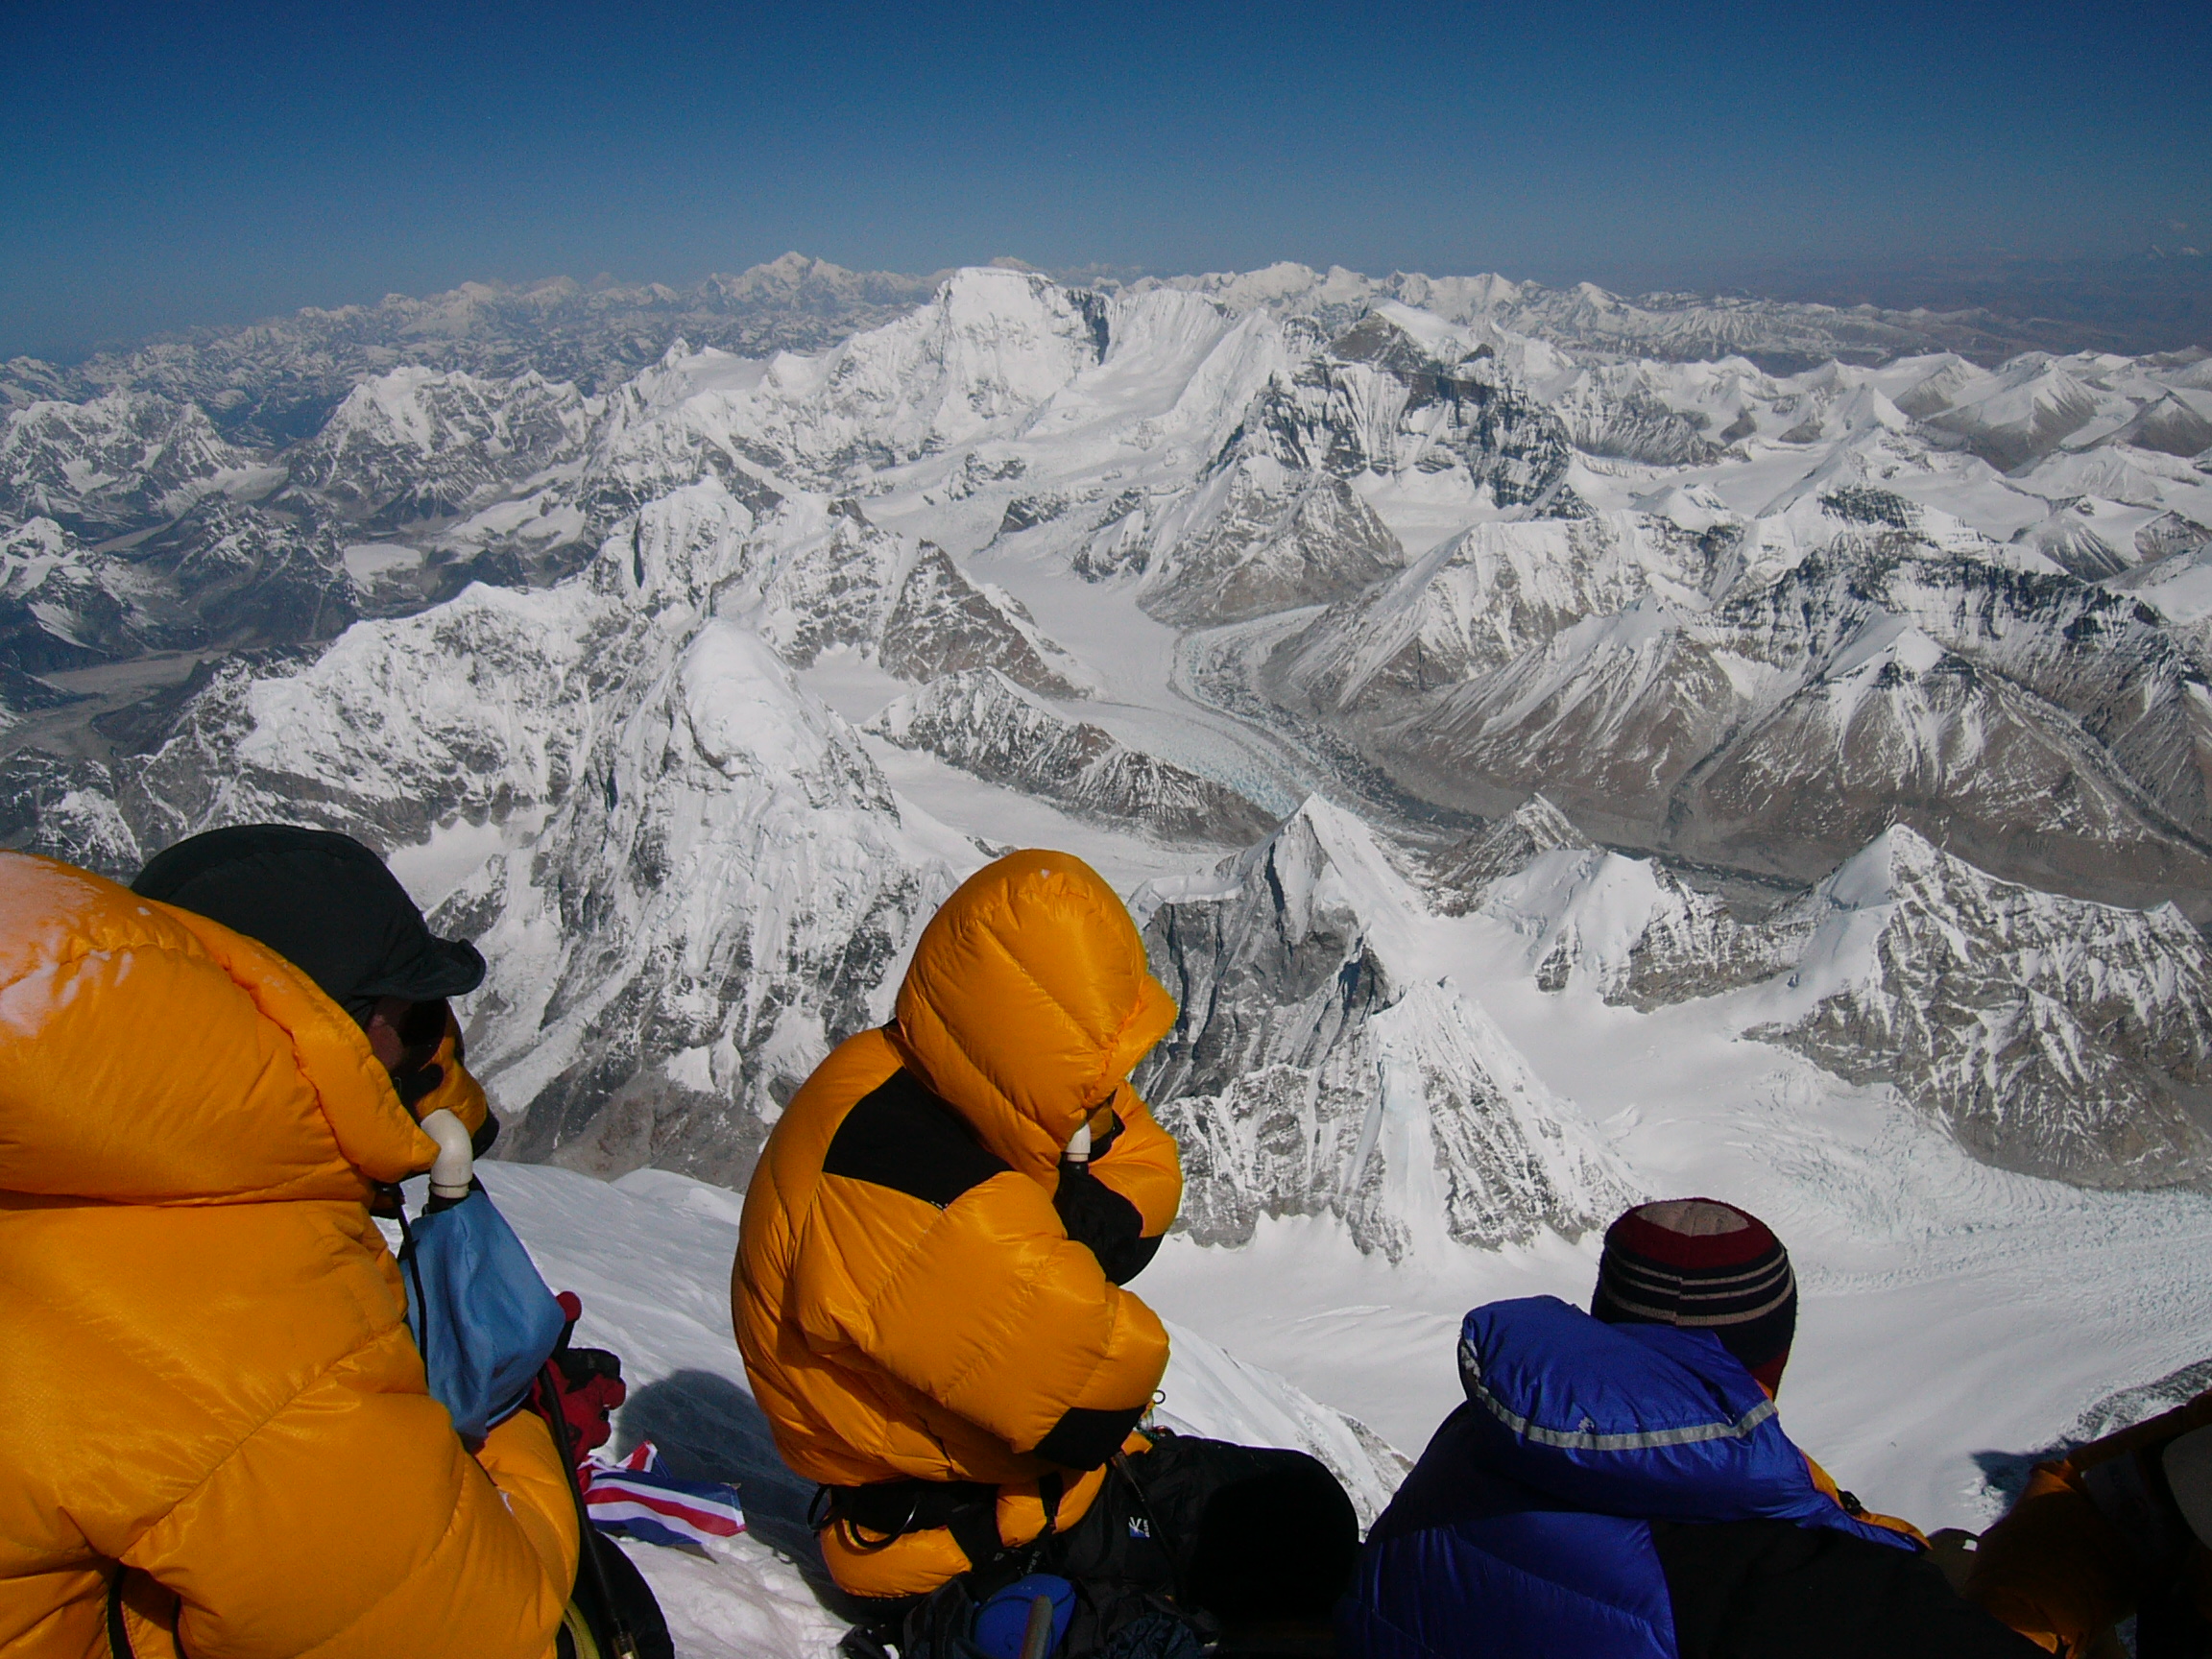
151 1056
1027 1003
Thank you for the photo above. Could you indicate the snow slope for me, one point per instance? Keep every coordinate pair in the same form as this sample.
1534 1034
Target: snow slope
651 1254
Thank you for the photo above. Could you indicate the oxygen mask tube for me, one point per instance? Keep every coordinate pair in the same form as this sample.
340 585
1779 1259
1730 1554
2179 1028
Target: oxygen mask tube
451 1176
1037 1633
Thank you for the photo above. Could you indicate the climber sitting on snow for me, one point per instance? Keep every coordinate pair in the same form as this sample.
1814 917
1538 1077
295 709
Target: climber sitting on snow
222 1437
2119 1528
927 1288
1618 1485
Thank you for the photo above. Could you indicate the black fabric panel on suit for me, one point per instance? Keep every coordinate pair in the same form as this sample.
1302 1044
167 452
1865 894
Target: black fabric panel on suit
1085 1437
1106 1223
2169 1626
900 1135
1769 1589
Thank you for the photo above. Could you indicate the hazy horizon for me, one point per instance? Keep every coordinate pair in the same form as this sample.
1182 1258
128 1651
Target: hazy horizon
2138 304
172 167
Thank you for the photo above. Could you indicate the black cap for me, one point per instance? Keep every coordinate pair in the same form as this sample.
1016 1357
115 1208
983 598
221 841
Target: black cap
322 900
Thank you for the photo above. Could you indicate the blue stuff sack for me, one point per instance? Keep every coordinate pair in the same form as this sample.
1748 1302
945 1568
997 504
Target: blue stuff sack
483 1319
1003 1620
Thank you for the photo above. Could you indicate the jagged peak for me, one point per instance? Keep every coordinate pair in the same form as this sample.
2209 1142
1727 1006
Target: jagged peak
747 714
1548 826
679 546
1319 856
1466 869
1324 857
36 538
1873 874
1901 862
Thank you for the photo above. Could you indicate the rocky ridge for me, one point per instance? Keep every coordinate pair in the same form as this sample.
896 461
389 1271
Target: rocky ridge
984 723
1314 1070
1772 703
2048 1035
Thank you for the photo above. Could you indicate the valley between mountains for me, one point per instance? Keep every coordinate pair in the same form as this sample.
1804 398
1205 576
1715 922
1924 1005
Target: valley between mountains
1559 749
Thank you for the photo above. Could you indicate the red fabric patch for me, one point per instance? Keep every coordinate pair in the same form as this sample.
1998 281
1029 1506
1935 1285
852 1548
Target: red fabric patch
1670 1248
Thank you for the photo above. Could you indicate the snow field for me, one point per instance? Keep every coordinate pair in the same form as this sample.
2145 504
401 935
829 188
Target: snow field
651 1256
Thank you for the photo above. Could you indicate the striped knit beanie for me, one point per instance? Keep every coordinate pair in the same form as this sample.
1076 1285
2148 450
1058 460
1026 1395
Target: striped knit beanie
1703 1265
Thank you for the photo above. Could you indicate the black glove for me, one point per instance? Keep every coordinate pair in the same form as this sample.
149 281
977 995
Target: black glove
1102 1220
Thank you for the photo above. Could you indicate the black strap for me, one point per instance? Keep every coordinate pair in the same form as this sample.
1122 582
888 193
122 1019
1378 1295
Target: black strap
975 1530
620 1638
118 1636
877 1516
895 1508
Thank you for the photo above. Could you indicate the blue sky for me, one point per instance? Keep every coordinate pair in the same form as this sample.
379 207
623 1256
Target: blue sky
168 164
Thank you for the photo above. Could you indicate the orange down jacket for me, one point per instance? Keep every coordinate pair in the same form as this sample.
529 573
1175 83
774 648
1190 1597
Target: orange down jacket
2061 1571
207 1375
908 1299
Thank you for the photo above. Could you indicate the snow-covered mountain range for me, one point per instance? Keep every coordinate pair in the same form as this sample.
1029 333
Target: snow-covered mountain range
1876 696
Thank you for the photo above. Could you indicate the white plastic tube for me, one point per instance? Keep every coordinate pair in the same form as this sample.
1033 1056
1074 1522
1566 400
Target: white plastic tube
1078 1145
456 1163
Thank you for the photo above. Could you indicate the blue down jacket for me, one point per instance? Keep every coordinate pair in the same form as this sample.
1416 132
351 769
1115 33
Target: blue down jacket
1525 1529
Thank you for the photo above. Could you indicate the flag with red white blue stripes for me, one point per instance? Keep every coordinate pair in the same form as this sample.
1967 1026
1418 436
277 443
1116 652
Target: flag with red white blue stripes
638 1497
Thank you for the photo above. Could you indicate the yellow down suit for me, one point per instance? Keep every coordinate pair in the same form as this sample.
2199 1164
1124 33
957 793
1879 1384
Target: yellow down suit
208 1378
907 1296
